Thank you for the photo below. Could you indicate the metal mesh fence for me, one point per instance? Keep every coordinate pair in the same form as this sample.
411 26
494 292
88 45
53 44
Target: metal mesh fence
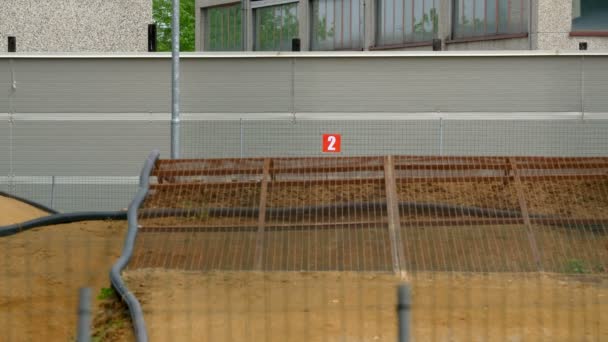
472 233
432 187
101 174
322 214
499 226
457 137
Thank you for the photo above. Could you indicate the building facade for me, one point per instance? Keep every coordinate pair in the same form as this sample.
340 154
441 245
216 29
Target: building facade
75 25
259 25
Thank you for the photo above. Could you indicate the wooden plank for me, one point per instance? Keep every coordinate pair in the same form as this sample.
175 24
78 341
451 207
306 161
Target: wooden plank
399 158
394 224
463 221
447 165
303 226
570 222
450 166
573 176
477 221
518 159
197 229
370 180
500 166
323 169
210 160
207 185
564 165
328 225
259 243
525 214
205 172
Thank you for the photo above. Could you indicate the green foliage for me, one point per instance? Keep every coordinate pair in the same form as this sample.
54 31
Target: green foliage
576 266
162 11
106 293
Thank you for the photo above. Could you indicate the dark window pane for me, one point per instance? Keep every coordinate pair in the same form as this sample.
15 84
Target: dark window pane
223 28
275 27
405 21
336 24
478 18
589 15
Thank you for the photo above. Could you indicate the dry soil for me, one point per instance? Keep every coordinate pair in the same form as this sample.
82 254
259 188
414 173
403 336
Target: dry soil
12 211
42 269
348 306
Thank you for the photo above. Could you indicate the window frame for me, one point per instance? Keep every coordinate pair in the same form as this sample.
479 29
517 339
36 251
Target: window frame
586 32
524 8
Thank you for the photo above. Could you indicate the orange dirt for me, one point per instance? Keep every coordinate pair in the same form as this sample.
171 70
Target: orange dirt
42 269
564 198
13 211
347 306
492 248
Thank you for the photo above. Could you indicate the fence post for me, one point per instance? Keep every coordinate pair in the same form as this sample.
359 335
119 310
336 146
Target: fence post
175 86
242 136
583 87
440 136
404 303
52 191
84 315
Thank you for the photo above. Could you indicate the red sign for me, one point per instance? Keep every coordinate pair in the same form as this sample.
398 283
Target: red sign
332 143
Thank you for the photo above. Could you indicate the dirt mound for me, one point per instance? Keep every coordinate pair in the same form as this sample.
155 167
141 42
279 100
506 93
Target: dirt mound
349 306
13 211
42 270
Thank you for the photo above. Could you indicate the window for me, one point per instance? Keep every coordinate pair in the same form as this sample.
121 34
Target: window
275 27
405 21
479 18
589 15
223 28
336 25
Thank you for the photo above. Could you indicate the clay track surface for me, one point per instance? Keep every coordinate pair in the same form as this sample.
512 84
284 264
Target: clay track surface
360 306
42 269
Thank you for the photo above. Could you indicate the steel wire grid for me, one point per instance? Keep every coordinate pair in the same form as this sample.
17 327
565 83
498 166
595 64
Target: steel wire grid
386 214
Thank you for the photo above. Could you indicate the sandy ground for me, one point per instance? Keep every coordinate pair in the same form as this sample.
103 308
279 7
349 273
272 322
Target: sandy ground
348 306
42 269
12 211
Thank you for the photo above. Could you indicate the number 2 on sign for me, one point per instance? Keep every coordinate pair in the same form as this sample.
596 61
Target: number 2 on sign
332 143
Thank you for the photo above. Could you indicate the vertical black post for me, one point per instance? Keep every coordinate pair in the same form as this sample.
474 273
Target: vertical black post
151 37
404 311
84 315
295 44
436 44
12 44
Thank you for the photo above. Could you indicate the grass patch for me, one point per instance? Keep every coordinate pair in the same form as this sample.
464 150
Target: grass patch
576 266
106 293
111 321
